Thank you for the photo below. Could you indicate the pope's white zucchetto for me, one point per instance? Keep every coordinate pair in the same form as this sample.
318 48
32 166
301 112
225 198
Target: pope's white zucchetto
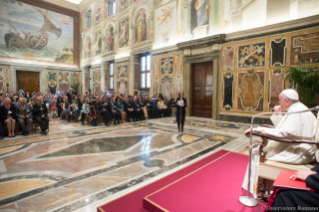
291 94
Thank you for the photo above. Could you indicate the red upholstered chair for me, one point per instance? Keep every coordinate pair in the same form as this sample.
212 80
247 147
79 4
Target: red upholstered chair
92 114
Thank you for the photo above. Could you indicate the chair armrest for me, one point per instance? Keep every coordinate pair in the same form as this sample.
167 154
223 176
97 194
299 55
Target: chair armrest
285 140
267 126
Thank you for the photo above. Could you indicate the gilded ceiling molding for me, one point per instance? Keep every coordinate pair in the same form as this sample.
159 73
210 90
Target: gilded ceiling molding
65 4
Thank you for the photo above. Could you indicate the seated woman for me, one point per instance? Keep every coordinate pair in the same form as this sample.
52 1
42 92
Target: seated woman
120 109
53 108
8 114
85 111
300 200
172 106
162 108
66 110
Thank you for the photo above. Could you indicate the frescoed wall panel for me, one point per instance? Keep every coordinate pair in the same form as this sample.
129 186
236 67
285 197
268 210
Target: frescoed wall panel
250 91
5 79
96 73
278 52
277 81
122 78
228 91
62 80
168 74
305 49
33 33
256 87
252 55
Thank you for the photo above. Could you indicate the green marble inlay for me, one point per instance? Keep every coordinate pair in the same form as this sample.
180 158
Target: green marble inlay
99 145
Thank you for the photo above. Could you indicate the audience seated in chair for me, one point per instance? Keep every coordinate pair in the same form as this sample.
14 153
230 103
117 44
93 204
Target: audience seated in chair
67 110
120 109
162 108
111 107
8 113
85 111
24 114
40 113
100 106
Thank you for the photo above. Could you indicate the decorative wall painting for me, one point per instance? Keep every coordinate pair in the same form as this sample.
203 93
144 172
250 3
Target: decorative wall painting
122 87
140 26
278 52
305 49
33 33
167 85
165 25
64 77
109 38
97 12
167 65
252 55
98 43
124 33
122 72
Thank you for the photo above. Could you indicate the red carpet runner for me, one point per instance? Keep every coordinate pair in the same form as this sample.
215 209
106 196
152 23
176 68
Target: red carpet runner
215 186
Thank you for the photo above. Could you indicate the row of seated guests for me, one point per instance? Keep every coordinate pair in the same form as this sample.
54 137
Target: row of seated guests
25 114
116 109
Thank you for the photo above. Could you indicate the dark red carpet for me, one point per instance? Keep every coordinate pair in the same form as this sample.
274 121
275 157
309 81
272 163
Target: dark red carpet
231 170
213 187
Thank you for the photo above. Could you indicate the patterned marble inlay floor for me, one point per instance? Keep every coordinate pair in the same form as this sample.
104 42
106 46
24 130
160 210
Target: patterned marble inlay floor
77 167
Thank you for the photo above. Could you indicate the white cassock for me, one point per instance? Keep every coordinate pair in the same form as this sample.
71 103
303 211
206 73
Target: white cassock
287 126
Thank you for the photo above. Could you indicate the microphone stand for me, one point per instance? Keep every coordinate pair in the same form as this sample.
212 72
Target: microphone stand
247 200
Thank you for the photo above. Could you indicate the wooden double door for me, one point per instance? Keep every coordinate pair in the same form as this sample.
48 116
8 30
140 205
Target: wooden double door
28 81
202 89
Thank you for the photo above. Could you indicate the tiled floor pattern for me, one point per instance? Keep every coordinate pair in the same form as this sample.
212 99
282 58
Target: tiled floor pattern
75 167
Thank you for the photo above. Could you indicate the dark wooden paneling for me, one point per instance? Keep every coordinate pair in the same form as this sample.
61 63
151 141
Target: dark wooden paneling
202 89
28 81
76 18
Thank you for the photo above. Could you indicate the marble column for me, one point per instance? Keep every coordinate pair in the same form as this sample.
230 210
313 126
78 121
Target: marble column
131 75
83 80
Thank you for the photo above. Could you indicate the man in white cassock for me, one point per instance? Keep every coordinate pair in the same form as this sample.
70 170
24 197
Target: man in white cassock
298 126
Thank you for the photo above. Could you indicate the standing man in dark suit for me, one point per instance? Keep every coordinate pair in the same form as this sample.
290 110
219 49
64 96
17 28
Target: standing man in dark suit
100 107
69 95
181 104
40 113
24 113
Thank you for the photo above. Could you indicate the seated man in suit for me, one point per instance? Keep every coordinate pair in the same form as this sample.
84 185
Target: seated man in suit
300 200
100 107
128 108
40 113
24 112
147 105
137 109
154 109
112 110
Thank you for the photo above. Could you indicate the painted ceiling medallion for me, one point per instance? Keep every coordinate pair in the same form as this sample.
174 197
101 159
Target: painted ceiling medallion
250 91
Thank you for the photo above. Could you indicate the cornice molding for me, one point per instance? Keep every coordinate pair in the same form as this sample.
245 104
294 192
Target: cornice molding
293 25
165 49
207 41
85 4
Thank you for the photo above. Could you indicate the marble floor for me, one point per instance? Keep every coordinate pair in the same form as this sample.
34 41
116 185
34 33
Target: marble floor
77 168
